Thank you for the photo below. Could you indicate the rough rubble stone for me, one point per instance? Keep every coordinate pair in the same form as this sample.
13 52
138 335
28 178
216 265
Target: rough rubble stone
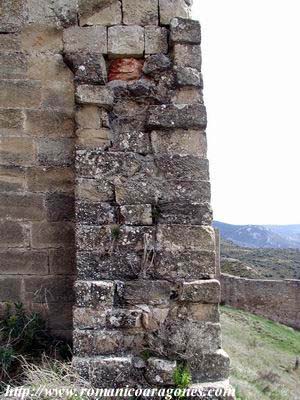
156 40
96 95
123 318
95 213
187 76
186 55
173 8
100 12
134 141
177 116
185 31
94 293
207 291
156 63
140 12
126 41
87 67
160 372
136 214
89 39
82 367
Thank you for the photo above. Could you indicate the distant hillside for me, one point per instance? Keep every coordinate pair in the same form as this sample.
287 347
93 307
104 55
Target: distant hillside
260 263
260 236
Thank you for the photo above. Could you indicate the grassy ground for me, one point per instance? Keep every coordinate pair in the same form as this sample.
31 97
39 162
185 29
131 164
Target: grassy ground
263 355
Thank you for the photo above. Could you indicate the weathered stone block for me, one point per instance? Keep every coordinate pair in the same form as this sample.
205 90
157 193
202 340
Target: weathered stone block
49 289
210 367
93 139
13 65
89 318
111 371
160 372
60 207
122 318
140 12
97 95
184 142
185 31
92 190
156 63
173 8
148 191
12 15
187 76
181 238
12 179
41 39
13 234
82 367
182 213
16 262
110 165
186 55
196 312
134 141
49 123
106 238
177 116
10 289
126 41
17 151
20 94
87 67
95 213
11 121
186 168
58 152
52 234
183 265
156 40
22 206
118 265
207 291
99 12
136 214
146 292
44 179
187 95
94 294
88 39
88 117
62 261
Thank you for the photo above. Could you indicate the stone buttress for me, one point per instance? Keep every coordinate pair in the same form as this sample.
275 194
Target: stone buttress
146 294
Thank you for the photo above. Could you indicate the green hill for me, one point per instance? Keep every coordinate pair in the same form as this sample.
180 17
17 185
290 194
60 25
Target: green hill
263 356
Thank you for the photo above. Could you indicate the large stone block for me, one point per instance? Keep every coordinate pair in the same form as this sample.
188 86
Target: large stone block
10 289
93 139
87 67
62 261
89 318
196 312
183 142
183 265
92 190
11 121
41 39
187 76
185 31
177 116
22 206
124 318
17 151
210 367
156 64
13 66
188 56
12 179
187 95
160 372
88 117
152 191
59 152
60 207
12 15
140 12
126 41
184 237
118 265
99 12
111 372
173 8
206 291
95 95
145 292
49 289
110 165
49 123
13 234
180 167
136 214
95 213
94 294
42 179
183 213
20 94
106 238
87 39
52 234
156 40
134 141
16 262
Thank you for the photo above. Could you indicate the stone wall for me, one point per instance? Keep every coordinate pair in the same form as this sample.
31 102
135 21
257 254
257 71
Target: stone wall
275 300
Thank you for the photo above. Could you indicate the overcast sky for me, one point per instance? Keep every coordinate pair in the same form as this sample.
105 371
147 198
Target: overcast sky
251 67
